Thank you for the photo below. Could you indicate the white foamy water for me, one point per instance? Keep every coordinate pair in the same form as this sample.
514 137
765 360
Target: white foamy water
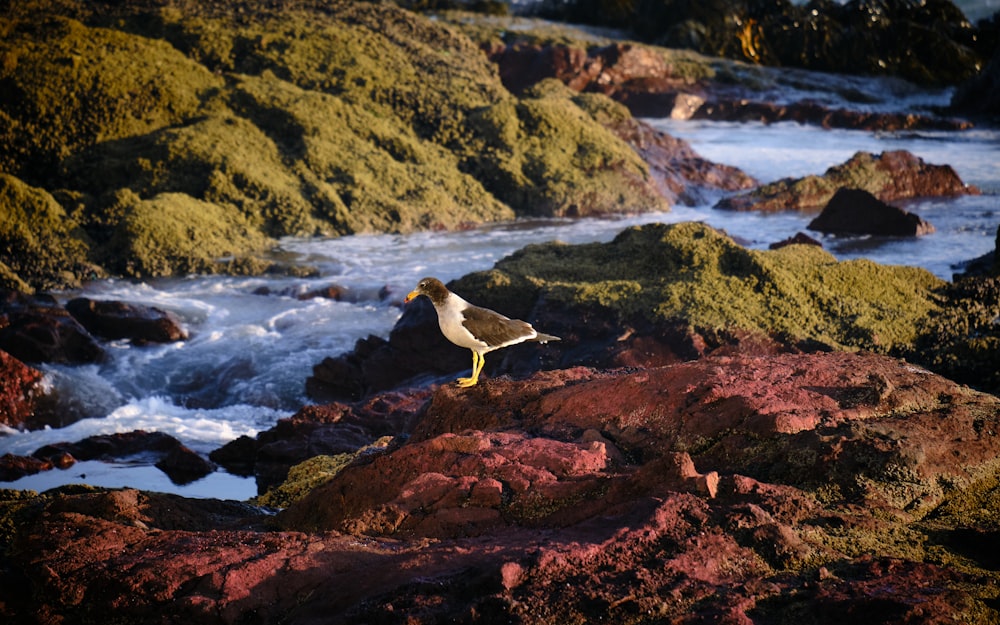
253 342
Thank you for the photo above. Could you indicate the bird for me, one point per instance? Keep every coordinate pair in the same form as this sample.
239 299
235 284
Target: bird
479 329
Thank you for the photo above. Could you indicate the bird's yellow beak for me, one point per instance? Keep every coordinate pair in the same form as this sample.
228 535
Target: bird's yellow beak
409 296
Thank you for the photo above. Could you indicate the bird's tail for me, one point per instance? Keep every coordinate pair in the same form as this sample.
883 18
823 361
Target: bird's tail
545 338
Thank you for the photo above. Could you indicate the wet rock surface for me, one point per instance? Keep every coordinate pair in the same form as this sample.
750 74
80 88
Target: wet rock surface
651 84
735 488
122 320
181 464
19 390
37 329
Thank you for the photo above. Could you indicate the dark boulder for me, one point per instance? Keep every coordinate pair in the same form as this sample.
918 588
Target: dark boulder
856 211
35 328
980 95
122 320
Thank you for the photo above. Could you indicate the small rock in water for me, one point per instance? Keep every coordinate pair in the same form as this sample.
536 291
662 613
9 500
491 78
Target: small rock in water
855 211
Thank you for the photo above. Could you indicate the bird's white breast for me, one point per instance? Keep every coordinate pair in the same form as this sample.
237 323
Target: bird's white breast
450 319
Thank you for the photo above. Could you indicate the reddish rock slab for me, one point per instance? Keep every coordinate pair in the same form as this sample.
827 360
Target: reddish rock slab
889 176
19 390
123 320
727 489
855 211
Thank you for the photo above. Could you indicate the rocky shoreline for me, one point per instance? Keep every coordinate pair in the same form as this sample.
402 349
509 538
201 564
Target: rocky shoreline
723 435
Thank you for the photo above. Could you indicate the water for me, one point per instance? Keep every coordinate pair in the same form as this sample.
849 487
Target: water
253 341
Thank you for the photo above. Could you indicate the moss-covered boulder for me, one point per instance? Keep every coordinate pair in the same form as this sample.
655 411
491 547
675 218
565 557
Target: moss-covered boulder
331 118
40 244
173 233
656 294
68 85
692 272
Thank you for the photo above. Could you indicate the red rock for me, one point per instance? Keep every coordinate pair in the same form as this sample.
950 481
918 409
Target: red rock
889 176
123 320
19 390
14 467
727 489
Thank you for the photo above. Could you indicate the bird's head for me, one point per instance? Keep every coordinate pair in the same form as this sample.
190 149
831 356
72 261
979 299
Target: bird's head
431 287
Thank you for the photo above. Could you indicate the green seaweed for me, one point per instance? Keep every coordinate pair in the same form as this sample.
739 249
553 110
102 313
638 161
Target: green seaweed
39 244
175 234
691 272
345 118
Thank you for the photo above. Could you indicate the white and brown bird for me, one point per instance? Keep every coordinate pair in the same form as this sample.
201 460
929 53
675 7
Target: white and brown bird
479 329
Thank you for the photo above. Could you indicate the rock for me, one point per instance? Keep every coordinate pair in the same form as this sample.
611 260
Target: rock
855 211
36 329
123 320
749 109
15 467
331 429
184 465
980 94
680 172
695 292
888 176
181 464
800 238
961 339
653 82
722 490
19 391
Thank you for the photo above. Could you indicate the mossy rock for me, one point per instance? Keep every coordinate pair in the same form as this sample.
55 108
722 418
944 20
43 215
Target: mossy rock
302 478
961 339
39 244
68 86
175 234
691 272
340 119
307 475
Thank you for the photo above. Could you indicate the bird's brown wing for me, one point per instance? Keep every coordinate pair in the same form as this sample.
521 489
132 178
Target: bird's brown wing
494 328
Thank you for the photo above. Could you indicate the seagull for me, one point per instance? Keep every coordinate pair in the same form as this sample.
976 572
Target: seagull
479 329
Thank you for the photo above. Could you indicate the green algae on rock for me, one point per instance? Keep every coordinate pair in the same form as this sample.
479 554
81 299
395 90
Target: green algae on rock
333 119
70 86
39 243
693 273
173 234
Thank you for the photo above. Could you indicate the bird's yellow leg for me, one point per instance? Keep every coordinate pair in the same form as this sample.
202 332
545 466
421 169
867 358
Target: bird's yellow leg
477 365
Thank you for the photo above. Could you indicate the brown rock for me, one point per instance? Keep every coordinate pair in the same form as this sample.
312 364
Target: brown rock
122 320
19 390
34 328
889 176
854 211
14 467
